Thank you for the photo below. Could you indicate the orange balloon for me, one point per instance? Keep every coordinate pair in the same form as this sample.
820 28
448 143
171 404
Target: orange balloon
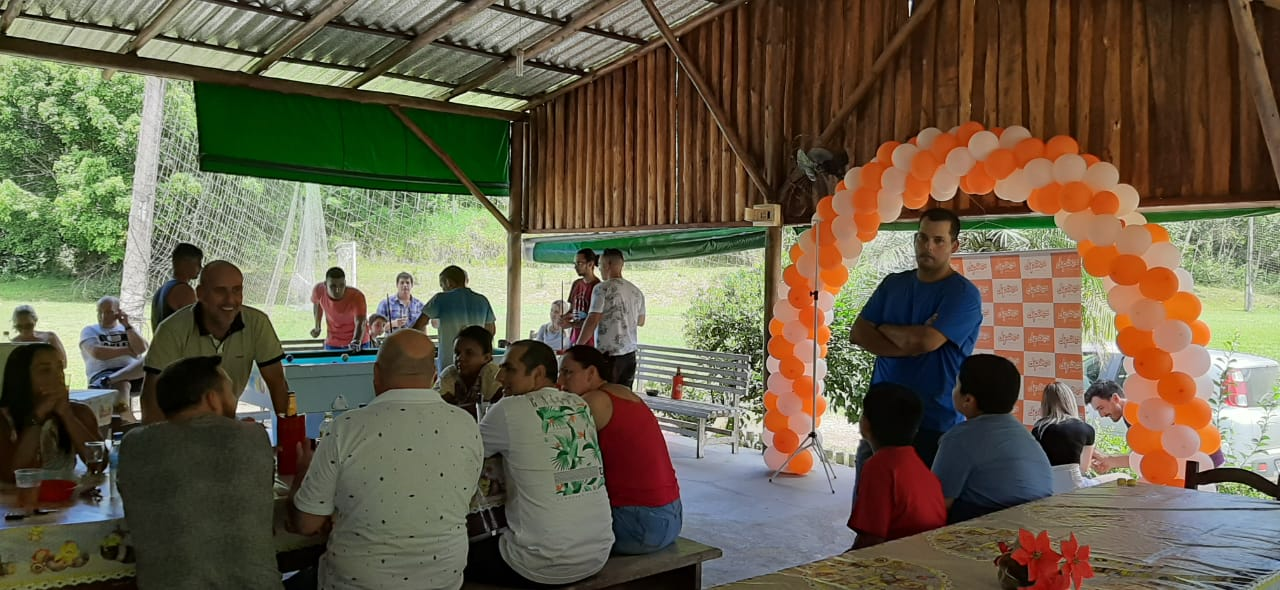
803 387
916 194
1153 364
1177 388
792 277
1183 306
799 299
791 367
1158 232
884 154
1060 145
806 315
800 464
1076 196
829 257
1131 414
824 335
865 200
776 326
1159 467
998 131
822 407
1001 163
786 441
776 422
826 210
1200 333
1048 199
1123 321
1142 440
1133 342
1105 203
865 236
835 276
826 233
1195 413
1090 159
967 188
980 181
966 131
870 175
1158 283
924 165
1099 260
1210 439
1127 269
780 348
770 401
942 145
841 186
1028 150
795 251
867 221
1084 246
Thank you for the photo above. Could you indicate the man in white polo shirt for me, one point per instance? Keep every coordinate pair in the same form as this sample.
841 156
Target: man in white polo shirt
396 477
560 523
218 325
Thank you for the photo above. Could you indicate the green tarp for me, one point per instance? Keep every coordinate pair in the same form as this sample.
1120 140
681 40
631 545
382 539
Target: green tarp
307 139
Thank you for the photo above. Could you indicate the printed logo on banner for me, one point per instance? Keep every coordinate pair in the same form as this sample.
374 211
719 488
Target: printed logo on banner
1037 266
1066 265
1008 314
1030 412
1005 267
1016 358
1007 290
1037 315
1035 386
1067 340
977 268
1039 339
986 340
1008 339
1067 315
1070 366
988 314
984 288
1066 290
1039 364
1037 290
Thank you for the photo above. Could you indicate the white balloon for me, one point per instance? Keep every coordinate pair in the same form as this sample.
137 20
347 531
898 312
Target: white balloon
817 371
1134 218
1060 218
1122 297
829 317
1069 168
1135 463
927 136
807 240
844 226
1172 335
983 143
1127 363
1013 135
778 383
1186 282
1146 314
784 312
1077 225
1014 188
894 180
800 423
826 301
773 458
944 185
853 178
1039 172
766 437
1128 198
890 207
789 404
1139 389
772 364
1155 413
960 161
1181 441
1206 389
796 332
807 264
1102 176
1193 360
842 202
1205 462
803 350
1105 230
902 156
1133 239
1107 284
850 247
1163 254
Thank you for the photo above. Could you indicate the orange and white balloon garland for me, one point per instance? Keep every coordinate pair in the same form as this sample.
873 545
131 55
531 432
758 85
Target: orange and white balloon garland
1157 314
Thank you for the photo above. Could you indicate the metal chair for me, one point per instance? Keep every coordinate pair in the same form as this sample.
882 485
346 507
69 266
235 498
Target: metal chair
1196 478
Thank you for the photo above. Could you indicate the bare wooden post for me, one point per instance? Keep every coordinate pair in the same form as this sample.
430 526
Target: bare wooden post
146 169
772 275
515 250
1255 67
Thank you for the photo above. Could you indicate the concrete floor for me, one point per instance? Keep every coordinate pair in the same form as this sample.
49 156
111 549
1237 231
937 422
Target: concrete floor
762 527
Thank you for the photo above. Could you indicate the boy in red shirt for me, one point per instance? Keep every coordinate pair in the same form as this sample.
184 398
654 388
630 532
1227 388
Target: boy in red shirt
897 495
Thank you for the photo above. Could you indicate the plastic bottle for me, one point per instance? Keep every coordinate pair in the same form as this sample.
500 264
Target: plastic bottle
113 459
677 385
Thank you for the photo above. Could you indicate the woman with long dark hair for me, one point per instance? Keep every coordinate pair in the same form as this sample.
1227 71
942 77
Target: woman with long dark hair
42 427
643 491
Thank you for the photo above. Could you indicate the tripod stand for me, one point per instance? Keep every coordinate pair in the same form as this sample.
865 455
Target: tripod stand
813 441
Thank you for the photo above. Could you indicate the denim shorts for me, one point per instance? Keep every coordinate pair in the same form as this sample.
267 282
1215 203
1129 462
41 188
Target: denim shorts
644 529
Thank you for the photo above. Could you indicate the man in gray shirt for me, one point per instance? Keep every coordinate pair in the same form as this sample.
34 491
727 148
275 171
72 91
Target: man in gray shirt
197 488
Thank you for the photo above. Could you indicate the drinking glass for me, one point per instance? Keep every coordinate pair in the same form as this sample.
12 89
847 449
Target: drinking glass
28 483
96 456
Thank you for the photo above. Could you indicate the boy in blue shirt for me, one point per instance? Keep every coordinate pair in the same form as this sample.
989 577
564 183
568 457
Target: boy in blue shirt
990 461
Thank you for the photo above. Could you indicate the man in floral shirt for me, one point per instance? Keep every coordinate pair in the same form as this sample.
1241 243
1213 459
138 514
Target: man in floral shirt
616 313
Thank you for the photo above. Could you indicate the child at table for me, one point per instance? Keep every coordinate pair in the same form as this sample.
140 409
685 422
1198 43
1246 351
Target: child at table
898 496
473 376
990 461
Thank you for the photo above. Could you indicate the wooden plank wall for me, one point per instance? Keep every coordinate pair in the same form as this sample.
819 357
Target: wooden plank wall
1153 86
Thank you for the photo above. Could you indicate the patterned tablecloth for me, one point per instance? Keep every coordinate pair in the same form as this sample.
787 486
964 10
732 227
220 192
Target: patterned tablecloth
98 400
1142 538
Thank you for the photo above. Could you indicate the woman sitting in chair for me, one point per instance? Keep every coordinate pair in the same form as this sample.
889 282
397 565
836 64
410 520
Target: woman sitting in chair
24 327
643 491
42 427
1067 440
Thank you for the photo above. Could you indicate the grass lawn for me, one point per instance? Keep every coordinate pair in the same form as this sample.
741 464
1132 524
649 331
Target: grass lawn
1225 314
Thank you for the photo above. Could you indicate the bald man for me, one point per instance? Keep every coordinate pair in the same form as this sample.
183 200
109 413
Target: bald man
219 324
401 472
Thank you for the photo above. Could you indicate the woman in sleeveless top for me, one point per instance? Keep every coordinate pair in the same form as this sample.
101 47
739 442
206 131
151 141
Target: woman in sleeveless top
1067 440
42 427
24 328
643 491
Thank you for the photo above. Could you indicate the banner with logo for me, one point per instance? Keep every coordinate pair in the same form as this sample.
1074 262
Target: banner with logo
1031 315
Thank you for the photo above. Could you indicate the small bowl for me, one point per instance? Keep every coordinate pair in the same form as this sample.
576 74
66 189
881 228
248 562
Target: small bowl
57 490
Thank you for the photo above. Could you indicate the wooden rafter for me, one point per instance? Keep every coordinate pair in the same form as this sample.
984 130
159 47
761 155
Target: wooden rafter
152 29
627 58
168 69
712 101
437 30
1255 67
11 13
301 34
591 14
453 166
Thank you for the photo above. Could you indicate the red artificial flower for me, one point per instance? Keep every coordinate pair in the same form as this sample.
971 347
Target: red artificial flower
1053 581
1076 566
1036 552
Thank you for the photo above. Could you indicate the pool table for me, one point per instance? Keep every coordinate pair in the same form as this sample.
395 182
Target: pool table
318 377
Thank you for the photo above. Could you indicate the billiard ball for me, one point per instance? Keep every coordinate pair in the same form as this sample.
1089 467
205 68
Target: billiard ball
288 358
345 357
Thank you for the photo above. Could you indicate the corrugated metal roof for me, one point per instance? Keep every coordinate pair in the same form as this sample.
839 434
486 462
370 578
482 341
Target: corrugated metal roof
234 34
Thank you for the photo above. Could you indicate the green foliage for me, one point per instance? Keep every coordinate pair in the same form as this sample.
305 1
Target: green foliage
92 207
26 238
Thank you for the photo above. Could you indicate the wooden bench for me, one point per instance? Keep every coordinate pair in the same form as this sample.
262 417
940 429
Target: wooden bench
678 567
725 376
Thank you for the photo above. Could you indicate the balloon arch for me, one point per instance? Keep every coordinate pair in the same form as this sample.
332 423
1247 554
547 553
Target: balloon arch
1157 313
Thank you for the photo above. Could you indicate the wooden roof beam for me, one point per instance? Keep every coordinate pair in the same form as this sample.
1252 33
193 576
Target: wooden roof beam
1255 68
301 34
591 14
712 101
433 33
11 13
153 28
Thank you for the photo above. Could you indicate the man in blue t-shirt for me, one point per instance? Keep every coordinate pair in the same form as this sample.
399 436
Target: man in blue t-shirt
921 325
457 307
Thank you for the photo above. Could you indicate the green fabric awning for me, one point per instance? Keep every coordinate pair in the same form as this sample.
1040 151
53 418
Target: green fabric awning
306 139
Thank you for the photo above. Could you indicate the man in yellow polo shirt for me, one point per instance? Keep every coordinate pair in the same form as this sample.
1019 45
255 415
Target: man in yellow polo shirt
218 324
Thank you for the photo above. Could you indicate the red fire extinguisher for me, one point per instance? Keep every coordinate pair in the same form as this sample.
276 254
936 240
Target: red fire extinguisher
677 385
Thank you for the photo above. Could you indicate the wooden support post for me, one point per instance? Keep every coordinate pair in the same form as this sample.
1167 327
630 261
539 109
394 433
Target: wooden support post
1255 67
772 276
712 101
515 249
453 166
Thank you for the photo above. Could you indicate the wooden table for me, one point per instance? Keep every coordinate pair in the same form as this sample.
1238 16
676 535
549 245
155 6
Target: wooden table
1146 537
